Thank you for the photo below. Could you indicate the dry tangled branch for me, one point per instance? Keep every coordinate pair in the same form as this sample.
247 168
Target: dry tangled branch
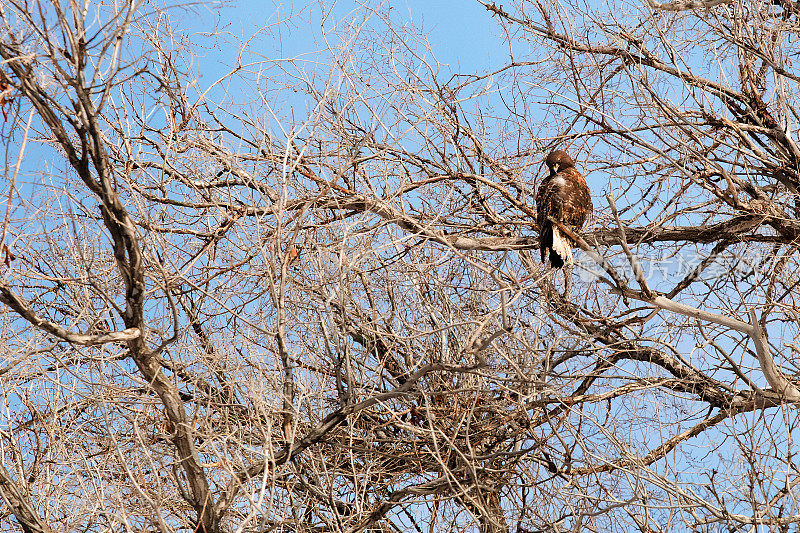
299 299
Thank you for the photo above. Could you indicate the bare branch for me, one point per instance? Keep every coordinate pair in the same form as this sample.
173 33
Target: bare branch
20 506
8 297
684 6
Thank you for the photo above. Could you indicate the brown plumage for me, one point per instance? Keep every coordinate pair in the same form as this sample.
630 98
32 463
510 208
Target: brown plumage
565 197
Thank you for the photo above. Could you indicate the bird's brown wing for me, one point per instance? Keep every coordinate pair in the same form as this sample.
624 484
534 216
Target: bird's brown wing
574 198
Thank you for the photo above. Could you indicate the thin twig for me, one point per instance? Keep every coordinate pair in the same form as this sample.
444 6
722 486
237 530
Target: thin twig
638 273
596 257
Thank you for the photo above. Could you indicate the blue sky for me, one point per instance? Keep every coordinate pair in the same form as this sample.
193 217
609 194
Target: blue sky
462 33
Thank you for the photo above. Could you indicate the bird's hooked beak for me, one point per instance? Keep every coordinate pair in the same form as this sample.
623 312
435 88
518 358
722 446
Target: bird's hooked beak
555 168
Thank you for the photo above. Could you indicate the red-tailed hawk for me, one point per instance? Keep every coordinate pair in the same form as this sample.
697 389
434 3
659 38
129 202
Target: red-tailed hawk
565 197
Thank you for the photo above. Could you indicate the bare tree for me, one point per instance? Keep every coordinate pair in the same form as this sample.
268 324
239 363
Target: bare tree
301 296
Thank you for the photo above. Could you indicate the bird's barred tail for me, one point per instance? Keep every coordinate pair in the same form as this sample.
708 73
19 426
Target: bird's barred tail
561 251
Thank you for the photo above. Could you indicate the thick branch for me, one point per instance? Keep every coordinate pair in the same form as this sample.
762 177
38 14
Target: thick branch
17 304
686 5
16 500
776 379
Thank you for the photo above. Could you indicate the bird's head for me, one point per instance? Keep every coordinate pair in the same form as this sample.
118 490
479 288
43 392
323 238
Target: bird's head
558 160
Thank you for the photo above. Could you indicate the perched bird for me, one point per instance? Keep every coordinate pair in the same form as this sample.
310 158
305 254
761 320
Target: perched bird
565 197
